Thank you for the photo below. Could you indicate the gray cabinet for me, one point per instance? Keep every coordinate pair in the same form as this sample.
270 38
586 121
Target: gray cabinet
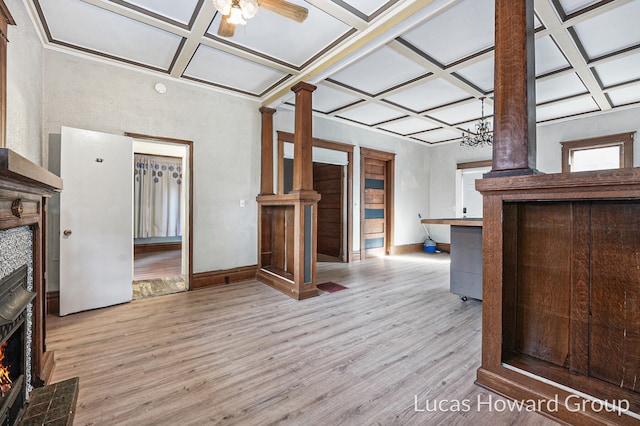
466 261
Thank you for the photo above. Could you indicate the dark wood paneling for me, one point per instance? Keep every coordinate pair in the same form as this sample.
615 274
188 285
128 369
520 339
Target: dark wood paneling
580 294
510 276
155 248
53 302
543 281
328 182
614 346
223 276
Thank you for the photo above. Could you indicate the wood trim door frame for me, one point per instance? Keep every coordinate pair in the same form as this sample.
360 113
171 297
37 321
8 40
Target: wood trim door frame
389 158
336 146
189 194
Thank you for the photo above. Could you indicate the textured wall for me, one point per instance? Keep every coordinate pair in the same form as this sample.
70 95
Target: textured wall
24 86
225 131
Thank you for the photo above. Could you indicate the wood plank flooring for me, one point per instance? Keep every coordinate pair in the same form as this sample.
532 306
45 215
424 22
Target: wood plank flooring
157 265
245 354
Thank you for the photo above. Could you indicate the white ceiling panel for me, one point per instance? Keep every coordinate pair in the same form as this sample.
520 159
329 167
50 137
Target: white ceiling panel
624 30
371 114
459 31
428 95
570 6
101 31
369 76
409 125
566 108
619 71
327 99
548 57
559 87
440 135
180 11
625 95
230 71
260 36
479 74
357 53
462 112
367 7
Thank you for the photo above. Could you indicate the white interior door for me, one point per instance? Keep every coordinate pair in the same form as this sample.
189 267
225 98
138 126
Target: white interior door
96 220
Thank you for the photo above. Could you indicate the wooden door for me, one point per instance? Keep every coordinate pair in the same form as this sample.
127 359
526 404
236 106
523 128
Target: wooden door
375 212
328 182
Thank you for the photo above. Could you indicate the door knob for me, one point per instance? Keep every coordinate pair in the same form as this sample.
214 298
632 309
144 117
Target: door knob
67 232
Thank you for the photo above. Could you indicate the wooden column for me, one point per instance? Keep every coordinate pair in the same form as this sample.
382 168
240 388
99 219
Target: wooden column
303 138
266 175
5 20
514 129
288 223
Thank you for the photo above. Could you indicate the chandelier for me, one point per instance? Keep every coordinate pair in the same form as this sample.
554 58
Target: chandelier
483 135
237 11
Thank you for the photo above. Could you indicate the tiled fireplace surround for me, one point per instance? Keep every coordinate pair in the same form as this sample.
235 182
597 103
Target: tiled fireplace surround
24 190
16 255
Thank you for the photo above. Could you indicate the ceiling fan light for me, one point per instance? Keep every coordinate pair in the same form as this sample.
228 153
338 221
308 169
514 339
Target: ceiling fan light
249 8
235 15
222 6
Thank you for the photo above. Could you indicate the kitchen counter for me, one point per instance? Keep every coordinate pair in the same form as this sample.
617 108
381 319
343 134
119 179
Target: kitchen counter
466 255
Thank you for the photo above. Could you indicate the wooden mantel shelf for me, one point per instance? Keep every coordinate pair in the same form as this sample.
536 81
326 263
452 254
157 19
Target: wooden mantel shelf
30 177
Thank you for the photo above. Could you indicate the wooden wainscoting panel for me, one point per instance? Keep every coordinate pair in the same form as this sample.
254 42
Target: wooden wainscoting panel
407 248
543 292
53 302
221 277
156 247
614 344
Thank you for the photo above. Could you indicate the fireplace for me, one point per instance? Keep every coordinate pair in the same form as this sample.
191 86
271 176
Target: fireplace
24 189
15 344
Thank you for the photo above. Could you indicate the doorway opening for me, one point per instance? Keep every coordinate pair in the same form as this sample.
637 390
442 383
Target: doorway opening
162 216
333 180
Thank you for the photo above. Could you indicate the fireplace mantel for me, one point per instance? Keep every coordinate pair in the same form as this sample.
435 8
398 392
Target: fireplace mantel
24 189
21 174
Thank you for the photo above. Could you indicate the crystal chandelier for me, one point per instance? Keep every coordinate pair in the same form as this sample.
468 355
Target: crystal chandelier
483 135
237 11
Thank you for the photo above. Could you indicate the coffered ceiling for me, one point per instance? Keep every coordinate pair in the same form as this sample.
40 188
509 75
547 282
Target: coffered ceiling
414 68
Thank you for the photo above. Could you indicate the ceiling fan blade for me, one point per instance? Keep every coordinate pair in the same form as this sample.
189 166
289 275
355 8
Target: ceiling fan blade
286 9
226 29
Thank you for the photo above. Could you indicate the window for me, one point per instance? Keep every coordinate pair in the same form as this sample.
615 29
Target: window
605 152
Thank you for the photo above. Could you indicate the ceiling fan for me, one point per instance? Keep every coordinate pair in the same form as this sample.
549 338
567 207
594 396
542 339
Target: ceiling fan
236 12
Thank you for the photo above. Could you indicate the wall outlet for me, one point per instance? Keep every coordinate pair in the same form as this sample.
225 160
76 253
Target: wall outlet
241 203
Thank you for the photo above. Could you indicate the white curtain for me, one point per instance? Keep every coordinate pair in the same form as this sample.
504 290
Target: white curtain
157 193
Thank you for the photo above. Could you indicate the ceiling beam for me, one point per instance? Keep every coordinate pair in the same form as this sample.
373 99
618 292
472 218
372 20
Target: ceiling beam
399 16
198 30
565 42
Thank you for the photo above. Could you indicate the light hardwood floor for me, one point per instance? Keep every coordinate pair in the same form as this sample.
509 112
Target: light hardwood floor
245 354
157 265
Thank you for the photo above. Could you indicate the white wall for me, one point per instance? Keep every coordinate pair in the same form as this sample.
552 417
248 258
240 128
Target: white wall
445 157
550 135
225 131
24 86
411 172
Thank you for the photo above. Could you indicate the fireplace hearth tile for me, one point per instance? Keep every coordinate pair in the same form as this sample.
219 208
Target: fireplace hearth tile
52 405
